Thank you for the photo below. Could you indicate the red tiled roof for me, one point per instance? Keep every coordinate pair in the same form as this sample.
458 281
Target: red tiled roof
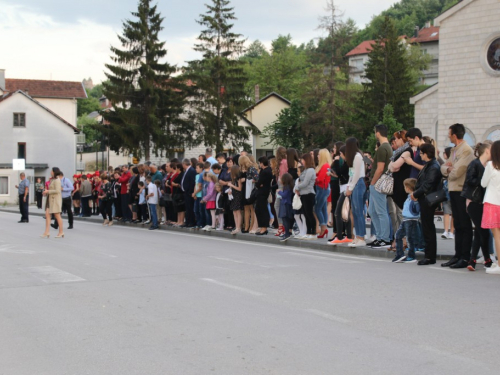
362 49
46 89
426 35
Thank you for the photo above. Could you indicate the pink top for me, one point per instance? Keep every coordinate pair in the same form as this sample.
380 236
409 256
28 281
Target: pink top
211 193
283 168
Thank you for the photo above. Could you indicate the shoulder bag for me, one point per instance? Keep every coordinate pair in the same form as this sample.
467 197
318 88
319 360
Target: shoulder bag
385 184
346 209
436 197
296 203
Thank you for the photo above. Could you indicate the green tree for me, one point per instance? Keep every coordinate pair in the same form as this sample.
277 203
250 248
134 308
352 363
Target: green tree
389 75
146 97
286 130
388 120
219 96
86 106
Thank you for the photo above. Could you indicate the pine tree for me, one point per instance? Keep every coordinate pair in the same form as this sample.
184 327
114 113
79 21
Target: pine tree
389 75
147 100
219 79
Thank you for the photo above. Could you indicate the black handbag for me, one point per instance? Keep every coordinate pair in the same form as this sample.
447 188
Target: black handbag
478 194
163 201
178 200
253 197
436 197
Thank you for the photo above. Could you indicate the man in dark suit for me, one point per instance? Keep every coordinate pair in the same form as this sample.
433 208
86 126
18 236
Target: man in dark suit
187 185
263 190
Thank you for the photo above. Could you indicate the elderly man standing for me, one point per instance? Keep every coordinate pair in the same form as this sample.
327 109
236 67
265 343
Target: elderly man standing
455 169
24 200
209 156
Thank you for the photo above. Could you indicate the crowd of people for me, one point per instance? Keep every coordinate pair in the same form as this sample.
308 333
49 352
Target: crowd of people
399 188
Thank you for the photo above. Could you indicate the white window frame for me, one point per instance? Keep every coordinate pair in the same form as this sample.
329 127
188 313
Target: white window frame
8 187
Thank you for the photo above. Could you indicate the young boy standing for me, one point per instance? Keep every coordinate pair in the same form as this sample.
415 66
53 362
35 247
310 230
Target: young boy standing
152 198
409 226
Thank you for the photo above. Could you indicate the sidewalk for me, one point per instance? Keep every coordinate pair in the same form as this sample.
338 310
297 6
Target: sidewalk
445 247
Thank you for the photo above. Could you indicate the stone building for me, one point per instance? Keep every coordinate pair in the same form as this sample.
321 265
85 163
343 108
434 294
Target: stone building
469 74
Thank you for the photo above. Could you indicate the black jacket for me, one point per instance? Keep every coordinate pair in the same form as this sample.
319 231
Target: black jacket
428 180
189 181
342 172
264 183
475 172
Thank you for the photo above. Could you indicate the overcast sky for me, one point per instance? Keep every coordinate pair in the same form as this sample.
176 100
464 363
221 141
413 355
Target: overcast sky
70 40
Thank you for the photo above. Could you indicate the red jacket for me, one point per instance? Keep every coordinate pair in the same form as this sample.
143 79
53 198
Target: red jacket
322 179
124 181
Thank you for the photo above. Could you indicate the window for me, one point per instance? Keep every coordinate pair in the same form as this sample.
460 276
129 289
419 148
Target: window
493 55
19 120
4 185
21 151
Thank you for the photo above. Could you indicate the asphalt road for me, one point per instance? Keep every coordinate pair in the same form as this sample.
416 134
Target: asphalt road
129 301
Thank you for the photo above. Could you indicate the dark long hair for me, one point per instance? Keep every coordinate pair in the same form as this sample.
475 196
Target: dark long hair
287 181
351 149
338 145
309 161
291 157
495 155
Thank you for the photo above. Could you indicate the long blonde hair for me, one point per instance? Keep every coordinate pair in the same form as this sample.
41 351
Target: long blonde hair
324 157
244 162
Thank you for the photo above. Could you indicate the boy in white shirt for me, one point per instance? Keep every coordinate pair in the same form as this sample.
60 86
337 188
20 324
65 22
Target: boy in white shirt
152 198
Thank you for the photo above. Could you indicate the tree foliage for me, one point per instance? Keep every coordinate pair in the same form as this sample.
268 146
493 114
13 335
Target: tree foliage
219 96
147 99
388 120
286 130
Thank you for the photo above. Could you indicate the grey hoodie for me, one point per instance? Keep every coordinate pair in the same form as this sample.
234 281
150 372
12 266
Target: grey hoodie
307 180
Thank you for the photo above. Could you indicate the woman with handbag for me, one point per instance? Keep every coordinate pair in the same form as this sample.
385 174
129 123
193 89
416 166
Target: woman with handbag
473 192
53 203
428 182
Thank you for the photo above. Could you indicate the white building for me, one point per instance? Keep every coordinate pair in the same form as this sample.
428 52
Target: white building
427 38
469 75
38 124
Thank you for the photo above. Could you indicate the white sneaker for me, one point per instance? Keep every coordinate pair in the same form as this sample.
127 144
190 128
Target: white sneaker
359 243
451 236
480 260
370 239
209 229
353 243
205 227
444 236
493 270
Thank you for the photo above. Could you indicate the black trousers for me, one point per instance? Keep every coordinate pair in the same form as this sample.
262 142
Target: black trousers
335 195
118 206
126 213
463 226
481 236
261 211
23 207
66 206
342 227
39 199
106 208
428 228
228 215
189 203
85 206
308 201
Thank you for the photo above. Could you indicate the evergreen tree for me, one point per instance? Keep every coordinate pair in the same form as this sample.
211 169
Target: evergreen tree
147 100
389 75
219 79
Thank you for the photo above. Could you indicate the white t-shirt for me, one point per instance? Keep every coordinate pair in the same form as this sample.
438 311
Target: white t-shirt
152 189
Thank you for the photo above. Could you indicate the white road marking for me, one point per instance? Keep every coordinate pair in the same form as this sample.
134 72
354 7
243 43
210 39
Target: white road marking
321 257
252 292
49 274
328 316
12 249
242 242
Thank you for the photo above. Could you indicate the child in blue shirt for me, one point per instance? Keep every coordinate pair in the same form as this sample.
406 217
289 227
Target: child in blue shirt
409 226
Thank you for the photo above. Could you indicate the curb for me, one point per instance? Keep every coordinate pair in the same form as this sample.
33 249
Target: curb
309 245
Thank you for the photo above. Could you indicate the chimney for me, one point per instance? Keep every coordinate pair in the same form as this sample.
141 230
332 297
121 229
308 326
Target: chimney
428 24
26 91
2 79
417 29
257 93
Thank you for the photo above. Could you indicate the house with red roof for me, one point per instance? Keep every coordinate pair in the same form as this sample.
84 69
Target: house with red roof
38 125
427 38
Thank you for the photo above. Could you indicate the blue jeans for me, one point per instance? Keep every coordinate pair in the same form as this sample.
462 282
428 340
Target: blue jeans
197 213
379 214
154 217
358 207
206 213
321 207
408 229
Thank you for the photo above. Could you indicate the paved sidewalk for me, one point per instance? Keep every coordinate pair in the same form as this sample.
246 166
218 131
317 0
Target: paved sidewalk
445 247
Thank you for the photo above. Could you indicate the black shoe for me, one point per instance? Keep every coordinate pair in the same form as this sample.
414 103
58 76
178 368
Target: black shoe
22 221
153 228
183 226
488 263
426 262
460 264
284 239
70 227
381 244
261 233
449 263
399 259
54 226
370 244
244 231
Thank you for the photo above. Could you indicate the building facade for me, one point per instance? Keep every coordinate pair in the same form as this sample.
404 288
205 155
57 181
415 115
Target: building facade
469 75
